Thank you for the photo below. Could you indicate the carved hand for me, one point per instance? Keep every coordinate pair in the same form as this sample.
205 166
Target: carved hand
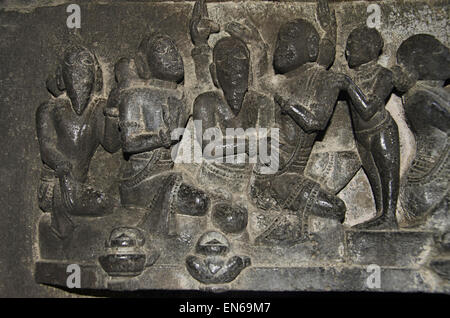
200 26
326 18
403 79
66 186
247 33
343 81
63 168
164 135
281 102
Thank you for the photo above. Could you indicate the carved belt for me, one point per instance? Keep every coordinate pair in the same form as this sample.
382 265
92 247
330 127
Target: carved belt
296 163
386 121
155 165
229 172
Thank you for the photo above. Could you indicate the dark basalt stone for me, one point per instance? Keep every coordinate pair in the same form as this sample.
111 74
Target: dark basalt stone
123 264
210 271
192 201
229 219
248 147
442 267
127 256
212 243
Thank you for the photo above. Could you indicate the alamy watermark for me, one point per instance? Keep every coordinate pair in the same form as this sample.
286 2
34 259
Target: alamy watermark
236 146
374 18
74 19
74 278
373 281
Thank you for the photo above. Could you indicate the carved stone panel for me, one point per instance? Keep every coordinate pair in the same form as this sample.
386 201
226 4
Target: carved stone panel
266 146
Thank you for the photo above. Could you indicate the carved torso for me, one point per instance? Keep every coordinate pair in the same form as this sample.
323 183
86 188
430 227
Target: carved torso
142 109
223 117
312 87
374 81
77 136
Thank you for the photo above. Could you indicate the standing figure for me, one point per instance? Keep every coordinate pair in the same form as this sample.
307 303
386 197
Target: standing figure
376 133
422 71
306 93
151 105
69 129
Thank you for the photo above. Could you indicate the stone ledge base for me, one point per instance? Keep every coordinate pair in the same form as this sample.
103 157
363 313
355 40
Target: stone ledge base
338 278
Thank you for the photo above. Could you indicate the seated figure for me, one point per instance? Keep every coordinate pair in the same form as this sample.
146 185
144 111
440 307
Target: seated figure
151 104
306 93
232 106
423 68
69 129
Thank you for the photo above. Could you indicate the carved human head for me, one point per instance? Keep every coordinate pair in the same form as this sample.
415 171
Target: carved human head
231 70
158 57
80 75
364 45
124 71
425 55
297 44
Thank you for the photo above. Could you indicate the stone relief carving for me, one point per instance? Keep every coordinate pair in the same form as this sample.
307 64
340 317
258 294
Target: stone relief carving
425 61
213 267
237 201
150 105
376 133
69 129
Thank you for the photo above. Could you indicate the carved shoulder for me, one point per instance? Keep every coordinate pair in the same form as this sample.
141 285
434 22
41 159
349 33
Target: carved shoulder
385 74
383 84
44 113
205 104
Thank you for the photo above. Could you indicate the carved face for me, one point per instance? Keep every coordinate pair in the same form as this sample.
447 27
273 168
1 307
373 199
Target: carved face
164 60
425 55
363 45
297 44
78 73
232 62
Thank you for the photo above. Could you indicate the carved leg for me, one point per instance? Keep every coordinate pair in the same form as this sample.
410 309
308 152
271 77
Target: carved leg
311 199
90 202
385 150
191 201
371 170
61 223
159 218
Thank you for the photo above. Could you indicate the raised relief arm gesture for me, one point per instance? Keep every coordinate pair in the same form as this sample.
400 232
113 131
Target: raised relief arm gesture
402 78
326 18
327 21
247 33
200 25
